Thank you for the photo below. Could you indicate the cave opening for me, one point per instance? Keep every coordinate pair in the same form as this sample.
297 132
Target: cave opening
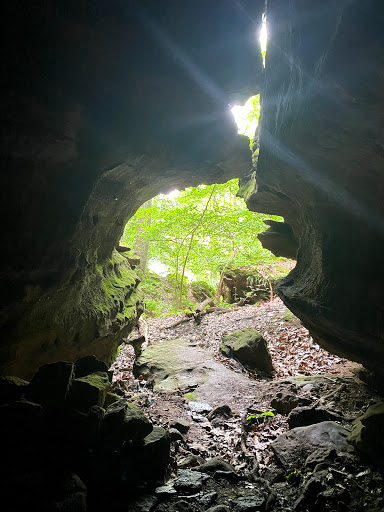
106 103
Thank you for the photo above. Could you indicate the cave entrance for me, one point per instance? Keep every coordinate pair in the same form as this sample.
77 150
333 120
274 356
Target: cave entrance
201 243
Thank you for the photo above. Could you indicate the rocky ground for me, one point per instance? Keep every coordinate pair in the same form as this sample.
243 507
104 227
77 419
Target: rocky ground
245 442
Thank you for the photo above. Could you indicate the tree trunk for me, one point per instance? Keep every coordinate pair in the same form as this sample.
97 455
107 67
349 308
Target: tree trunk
220 285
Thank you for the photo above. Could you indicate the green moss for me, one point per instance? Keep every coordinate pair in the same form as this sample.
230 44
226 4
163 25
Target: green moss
190 396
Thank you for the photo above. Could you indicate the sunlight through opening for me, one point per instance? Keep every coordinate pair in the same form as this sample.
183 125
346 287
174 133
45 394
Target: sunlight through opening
247 116
263 38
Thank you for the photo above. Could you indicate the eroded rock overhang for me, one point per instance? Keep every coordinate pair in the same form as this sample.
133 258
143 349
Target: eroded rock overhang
320 166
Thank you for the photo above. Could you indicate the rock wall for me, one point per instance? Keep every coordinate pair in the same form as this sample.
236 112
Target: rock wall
320 166
104 105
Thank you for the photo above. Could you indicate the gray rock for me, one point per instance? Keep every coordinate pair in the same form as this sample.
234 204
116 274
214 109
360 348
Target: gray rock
189 481
367 433
181 506
154 455
124 421
190 461
285 402
291 447
219 508
175 435
222 411
50 384
89 390
11 389
304 416
181 424
216 464
164 491
208 499
199 407
249 504
143 504
249 348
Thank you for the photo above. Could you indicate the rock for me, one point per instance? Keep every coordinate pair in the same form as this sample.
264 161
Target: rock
89 390
143 504
320 456
216 464
165 491
51 384
303 416
81 427
285 402
367 433
176 435
181 424
11 389
291 447
76 502
124 421
110 398
181 506
222 411
122 248
249 348
199 407
207 499
249 504
190 461
189 481
219 508
87 365
154 455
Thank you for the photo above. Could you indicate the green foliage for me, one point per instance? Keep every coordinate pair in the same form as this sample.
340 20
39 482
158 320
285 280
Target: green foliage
259 416
201 289
294 476
179 233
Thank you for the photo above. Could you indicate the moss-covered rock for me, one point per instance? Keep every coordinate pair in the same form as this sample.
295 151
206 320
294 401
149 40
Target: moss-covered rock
11 389
249 348
367 433
89 390
201 290
124 421
89 313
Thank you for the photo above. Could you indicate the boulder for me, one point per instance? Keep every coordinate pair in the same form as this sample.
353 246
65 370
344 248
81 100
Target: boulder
89 390
367 433
124 421
181 424
110 398
11 389
154 454
249 504
51 384
249 348
214 465
189 481
89 364
290 448
221 411
303 416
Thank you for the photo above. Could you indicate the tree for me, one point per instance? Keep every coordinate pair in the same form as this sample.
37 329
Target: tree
195 233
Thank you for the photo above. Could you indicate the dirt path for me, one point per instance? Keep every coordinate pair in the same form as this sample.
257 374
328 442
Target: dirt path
192 370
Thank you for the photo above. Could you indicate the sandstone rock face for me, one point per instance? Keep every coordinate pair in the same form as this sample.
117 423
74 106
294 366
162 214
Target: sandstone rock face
320 166
110 105
114 103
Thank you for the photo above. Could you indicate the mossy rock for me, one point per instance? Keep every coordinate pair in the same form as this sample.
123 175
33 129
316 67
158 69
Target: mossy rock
367 433
249 348
124 421
89 390
11 389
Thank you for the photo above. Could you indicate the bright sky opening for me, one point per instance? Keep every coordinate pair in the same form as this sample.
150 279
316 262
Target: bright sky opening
263 38
246 123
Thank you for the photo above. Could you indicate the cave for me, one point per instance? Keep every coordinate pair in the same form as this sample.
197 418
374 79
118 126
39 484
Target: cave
106 104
